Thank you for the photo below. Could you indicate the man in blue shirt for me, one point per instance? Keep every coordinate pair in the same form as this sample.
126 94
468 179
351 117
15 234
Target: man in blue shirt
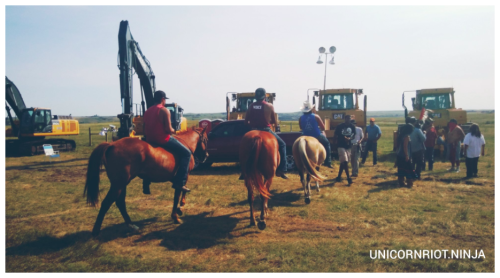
312 125
417 141
372 135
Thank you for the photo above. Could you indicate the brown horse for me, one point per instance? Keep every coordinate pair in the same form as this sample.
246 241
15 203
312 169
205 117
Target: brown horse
128 158
259 159
308 154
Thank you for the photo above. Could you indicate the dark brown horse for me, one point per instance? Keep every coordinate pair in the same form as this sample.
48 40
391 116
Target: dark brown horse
128 158
259 159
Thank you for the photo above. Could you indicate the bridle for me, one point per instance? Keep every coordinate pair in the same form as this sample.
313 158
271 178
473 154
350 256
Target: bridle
202 142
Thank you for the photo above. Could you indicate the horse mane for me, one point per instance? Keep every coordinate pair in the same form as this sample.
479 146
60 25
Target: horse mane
193 128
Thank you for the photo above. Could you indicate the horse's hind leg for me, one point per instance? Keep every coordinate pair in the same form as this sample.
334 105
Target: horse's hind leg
120 203
268 183
250 201
307 189
110 198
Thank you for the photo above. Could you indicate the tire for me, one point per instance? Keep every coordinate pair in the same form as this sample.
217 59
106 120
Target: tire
290 162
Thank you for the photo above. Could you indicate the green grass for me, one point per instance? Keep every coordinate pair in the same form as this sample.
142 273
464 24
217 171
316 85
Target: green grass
48 223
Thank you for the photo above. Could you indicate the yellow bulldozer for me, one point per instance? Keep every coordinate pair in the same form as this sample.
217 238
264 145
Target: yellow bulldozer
334 104
439 105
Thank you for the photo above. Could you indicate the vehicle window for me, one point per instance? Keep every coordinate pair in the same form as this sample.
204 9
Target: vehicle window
26 121
337 102
40 117
438 101
240 130
224 131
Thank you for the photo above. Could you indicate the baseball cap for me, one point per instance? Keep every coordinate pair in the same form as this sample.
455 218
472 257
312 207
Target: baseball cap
159 95
372 119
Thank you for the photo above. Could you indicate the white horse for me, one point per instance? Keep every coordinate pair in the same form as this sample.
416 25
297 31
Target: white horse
308 154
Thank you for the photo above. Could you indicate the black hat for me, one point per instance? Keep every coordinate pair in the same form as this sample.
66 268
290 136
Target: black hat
260 94
159 95
353 121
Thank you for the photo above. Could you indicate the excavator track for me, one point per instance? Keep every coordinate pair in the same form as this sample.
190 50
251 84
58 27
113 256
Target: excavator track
30 148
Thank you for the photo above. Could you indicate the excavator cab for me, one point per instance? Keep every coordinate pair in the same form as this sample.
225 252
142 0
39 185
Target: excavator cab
36 120
179 123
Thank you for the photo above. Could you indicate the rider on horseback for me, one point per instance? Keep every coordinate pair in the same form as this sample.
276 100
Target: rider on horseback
312 125
157 130
260 115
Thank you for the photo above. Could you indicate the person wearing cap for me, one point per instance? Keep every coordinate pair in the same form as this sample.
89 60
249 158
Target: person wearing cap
372 134
312 125
356 149
158 130
343 135
455 137
260 116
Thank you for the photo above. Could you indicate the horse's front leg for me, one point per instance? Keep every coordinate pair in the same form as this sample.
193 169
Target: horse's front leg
182 203
174 215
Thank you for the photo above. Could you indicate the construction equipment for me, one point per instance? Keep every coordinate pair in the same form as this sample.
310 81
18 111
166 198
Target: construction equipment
34 124
334 104
242 102
130 58
439 105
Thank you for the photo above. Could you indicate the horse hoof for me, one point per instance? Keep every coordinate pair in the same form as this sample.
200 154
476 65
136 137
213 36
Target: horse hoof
252 224
308 201
133 227
262 225
177 221
179 211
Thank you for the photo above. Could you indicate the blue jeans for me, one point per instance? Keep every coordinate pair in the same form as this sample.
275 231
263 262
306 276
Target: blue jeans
183 154
281 147
429 157
370 146
322 139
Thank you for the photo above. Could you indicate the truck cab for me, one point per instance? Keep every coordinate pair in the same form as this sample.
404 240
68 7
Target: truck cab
441 103
334 104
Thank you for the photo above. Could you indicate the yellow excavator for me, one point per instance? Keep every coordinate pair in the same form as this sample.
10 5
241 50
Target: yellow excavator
34 124
131 59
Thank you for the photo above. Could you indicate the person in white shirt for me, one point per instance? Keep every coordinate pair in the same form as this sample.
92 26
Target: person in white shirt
356 149
474 147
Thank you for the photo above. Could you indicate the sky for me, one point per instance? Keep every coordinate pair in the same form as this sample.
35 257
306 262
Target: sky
65 57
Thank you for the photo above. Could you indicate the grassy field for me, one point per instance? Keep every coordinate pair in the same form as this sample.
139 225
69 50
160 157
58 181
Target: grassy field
48 223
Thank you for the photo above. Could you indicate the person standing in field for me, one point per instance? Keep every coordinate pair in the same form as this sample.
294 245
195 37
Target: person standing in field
417 139
356 149
430 142
474 147
312 125
454 139
403 157
260 116
372 135
343 135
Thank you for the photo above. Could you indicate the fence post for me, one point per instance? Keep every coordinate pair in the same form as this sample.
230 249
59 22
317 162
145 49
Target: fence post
106 136
90 137
290 126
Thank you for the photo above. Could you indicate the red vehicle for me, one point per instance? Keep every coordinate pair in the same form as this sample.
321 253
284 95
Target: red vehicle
224 143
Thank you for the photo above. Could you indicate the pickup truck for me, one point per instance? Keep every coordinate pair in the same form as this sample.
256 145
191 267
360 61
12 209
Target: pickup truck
224 143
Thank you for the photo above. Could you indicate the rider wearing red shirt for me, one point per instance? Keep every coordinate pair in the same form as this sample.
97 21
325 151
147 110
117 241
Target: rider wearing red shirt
157 130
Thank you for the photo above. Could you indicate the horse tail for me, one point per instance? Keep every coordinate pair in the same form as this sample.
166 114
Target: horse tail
252 172
307 163
93 171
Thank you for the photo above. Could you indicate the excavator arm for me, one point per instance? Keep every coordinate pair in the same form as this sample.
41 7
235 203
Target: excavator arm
131 58
16 102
